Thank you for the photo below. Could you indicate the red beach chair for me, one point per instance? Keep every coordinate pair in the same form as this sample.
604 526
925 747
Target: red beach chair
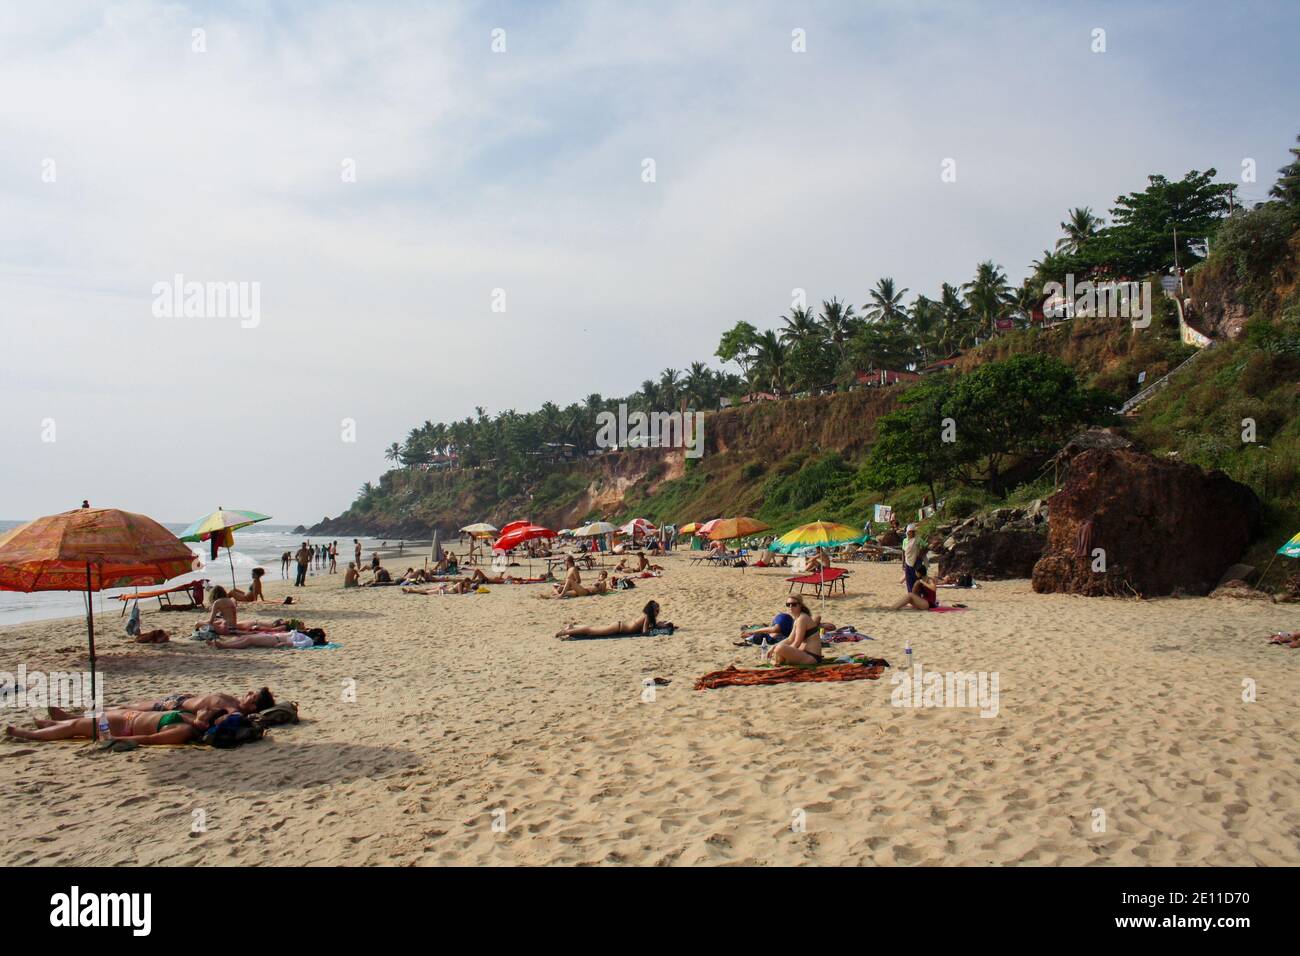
820 579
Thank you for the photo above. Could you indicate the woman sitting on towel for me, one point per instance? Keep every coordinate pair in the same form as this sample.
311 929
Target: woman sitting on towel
922 596
132 726
647 622
254 592
804 645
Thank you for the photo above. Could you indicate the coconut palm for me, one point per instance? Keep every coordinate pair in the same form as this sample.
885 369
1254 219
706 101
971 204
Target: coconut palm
770 357
838 324
886 303
988 296
800 326
1079 228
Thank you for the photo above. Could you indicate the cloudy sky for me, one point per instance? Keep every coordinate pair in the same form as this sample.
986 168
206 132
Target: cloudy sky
379 170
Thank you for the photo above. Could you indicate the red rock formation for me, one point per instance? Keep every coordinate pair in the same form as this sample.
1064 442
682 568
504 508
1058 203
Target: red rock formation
1164 526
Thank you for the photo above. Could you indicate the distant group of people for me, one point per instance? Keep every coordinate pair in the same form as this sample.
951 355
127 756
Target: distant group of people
323 557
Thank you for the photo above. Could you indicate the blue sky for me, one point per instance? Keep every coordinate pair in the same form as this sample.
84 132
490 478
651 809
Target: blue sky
521 170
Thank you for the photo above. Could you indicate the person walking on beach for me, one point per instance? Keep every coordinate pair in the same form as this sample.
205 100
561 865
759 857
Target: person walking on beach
356 550
912 550
304 559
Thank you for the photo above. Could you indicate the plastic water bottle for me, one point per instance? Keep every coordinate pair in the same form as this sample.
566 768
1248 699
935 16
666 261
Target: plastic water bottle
907 654
103 724
762 651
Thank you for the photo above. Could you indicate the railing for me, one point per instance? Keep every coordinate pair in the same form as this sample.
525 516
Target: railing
1160 383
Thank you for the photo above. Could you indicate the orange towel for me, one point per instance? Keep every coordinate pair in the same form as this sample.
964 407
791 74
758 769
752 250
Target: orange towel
735 677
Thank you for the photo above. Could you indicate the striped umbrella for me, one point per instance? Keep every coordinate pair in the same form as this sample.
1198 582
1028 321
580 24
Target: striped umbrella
222 523
818 534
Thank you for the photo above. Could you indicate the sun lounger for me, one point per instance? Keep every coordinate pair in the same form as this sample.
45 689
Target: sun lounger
193 588
820 579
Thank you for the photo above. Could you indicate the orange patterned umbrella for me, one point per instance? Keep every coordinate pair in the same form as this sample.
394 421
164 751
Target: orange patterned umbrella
88 550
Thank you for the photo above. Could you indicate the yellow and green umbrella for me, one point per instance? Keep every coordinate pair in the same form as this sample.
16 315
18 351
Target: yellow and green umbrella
819 534
222 524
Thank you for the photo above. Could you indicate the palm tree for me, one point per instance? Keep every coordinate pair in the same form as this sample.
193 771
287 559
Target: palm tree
926 321
648 397
988 296
838 323
393 452
957 330
669 381
886 305
770 361
1079 228
698 384
800 326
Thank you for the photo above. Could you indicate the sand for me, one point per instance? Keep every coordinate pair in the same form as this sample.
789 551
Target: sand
476 738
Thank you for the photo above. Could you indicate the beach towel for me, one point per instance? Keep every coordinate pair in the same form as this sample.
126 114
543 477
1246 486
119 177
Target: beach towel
737 677
945 608
848 634
331 646
133 622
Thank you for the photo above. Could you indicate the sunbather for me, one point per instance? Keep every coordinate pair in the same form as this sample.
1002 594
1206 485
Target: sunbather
804 645
254 592
131 726
648 620
294 639
922 596
351 578
1286 639
249 703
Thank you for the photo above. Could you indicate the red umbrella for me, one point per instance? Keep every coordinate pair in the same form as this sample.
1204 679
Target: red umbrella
90 549
516 533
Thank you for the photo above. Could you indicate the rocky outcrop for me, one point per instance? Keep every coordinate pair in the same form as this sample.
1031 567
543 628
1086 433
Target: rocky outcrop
1125 523
1002 544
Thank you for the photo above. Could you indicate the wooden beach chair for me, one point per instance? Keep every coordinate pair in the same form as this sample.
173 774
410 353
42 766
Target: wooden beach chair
194 588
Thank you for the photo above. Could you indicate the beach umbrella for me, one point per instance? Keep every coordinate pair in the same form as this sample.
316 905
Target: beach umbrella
435 548
595 528
222 524
691 528
724 529
517 535
637 526
708 526
90 549
1289 550
818 534
480 530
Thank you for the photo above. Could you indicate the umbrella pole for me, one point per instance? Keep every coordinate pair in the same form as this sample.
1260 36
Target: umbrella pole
231 559
90 629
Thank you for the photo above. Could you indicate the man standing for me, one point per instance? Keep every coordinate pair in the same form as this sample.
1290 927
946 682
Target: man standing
356 550
912 553
304 559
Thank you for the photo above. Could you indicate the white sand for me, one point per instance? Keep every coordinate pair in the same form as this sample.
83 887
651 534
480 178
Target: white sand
466 705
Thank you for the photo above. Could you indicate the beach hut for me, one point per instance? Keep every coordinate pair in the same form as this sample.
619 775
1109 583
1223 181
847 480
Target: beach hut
89 550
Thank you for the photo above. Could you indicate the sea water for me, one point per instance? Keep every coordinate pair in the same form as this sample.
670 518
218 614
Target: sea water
255 546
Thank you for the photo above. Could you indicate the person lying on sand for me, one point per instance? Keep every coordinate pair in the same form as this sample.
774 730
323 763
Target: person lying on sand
922 596
804 645
648 620
131 726
249 703
1286 639
294 639
254 592
641 564
463 586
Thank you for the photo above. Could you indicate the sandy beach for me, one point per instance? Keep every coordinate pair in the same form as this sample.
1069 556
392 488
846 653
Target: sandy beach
477 738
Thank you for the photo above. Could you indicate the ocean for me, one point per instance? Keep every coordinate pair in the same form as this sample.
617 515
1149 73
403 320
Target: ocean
257 545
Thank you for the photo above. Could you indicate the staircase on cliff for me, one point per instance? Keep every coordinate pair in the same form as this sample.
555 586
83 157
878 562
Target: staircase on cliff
1129 408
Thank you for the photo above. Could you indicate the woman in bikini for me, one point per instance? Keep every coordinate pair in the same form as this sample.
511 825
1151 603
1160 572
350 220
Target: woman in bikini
254 592
250 703
648 620
294 639
132 726
804 645
923 596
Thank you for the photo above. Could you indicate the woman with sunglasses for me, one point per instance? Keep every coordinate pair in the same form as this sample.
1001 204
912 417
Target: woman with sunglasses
804 645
